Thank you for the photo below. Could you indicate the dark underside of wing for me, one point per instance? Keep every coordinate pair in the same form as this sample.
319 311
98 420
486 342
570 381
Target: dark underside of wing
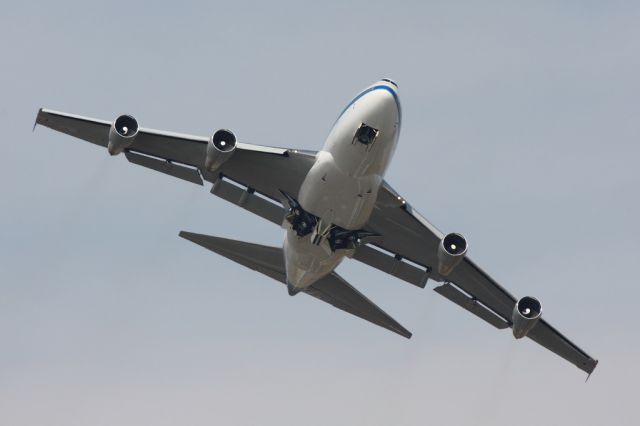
408 236
253 179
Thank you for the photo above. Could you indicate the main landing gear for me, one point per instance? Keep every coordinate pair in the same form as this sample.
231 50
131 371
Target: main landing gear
301 221
305 223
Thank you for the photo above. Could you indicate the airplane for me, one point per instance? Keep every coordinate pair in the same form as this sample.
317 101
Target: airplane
333 204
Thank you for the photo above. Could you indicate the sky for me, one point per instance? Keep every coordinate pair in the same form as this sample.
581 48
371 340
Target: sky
520 130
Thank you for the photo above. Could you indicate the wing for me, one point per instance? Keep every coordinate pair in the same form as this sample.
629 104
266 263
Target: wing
407 236
252 178
332 289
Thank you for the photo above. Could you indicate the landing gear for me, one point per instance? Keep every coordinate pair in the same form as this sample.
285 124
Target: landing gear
301 221
343 239
366 135
304 223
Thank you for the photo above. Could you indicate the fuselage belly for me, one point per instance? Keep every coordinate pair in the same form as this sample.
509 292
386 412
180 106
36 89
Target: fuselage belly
342 186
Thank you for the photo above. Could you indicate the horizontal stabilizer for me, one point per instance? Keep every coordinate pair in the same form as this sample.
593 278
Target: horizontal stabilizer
332 289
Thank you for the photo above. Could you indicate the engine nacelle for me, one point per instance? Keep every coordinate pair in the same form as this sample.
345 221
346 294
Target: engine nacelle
220 148
526 314
451 251
122 134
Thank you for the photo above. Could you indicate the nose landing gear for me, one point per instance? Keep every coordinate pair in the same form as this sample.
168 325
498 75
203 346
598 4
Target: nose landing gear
366 135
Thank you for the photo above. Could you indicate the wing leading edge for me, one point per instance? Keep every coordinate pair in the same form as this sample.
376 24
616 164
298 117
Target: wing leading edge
252 170
249 172
409 242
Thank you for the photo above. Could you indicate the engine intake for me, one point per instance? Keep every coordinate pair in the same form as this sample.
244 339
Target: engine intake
451 250
526 313
220 148
122 133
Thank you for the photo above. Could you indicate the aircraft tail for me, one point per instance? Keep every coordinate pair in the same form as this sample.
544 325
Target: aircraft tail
269 261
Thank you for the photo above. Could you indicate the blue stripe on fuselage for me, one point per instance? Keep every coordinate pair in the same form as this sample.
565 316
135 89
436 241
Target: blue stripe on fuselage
371 89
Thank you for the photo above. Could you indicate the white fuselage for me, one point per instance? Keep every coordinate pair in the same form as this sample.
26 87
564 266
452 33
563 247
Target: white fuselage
342 186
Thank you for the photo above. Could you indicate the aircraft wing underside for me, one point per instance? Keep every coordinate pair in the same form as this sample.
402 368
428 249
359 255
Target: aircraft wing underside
409 236
253 179
259 169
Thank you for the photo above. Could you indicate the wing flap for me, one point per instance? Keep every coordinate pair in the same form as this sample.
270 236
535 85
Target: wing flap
266 172
176 147
470 304
470 278
248 200
392 265
181 172
404 231
331 289
260 169
409 235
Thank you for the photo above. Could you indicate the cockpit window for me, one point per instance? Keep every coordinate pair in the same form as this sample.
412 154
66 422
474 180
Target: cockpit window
388 80
366 134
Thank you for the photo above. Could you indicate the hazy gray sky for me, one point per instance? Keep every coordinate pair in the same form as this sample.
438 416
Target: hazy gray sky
520 130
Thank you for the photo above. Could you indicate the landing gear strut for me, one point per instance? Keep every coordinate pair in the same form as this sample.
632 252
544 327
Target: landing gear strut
304 223
340 238
301 221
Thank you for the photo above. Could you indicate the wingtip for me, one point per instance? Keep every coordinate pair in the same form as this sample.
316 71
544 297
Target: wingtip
589 373
35 123
187 235
402 332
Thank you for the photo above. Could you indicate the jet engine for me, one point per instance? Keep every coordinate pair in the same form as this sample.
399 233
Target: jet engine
122 133
220 148
451 251
526 314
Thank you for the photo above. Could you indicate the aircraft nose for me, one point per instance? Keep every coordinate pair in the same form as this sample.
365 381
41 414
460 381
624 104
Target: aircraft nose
384 103
389 81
